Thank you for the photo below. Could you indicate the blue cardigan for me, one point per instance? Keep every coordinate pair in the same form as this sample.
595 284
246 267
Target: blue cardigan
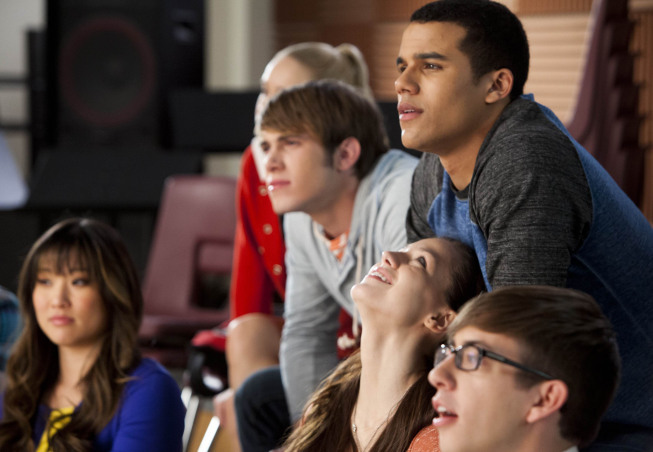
149 417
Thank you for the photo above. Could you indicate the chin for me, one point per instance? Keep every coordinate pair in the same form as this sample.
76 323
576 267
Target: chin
281 208
409 142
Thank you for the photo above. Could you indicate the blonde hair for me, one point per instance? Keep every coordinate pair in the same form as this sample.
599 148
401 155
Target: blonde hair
344 63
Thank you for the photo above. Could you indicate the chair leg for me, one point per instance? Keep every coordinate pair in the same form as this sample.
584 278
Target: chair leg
186 394
192 408
210 435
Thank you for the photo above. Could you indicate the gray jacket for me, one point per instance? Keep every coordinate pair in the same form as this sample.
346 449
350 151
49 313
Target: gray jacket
318 284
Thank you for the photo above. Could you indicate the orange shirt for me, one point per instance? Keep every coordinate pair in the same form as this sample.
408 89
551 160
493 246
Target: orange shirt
427 440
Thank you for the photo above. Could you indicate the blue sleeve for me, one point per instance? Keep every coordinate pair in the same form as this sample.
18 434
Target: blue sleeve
151 416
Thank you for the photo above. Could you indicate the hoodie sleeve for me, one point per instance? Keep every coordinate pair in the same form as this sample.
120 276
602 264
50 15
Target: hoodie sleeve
308 347
425 186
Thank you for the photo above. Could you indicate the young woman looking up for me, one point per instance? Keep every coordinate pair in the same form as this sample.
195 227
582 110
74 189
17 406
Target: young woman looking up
380 399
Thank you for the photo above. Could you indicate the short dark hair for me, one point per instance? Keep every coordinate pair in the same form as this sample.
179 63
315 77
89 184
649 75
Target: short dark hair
561 332
466 275
331 112
495 37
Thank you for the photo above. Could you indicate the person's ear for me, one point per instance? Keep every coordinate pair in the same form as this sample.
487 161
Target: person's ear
501 82
438 323
347 154
550 396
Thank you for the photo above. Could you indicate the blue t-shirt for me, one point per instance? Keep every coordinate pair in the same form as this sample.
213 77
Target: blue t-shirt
541 210
149 417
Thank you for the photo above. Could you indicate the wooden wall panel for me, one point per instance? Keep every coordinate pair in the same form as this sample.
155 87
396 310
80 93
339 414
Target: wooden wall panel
346 11
551 6
557 43
397 11
286 34
383 68
295 11
642 45
360 34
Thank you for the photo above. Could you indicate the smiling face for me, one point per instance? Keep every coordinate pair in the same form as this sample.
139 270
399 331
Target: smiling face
68 305
407 286
442 109
299 175
483 409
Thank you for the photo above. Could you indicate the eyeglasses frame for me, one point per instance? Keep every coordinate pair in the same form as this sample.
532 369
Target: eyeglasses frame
483 353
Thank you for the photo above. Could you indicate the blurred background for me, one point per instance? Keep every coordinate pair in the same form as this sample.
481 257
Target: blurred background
102 100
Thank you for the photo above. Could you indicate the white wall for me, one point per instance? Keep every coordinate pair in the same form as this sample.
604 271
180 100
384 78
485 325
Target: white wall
16 17
239 42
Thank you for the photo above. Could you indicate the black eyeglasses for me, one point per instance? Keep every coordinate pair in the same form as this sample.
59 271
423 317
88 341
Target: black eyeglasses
469 357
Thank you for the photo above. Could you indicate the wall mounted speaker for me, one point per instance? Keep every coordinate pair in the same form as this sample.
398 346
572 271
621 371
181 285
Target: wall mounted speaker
112 64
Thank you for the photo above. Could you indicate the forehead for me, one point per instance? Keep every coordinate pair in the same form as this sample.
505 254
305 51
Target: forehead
441 38
272 135
436 246
498 343
61 261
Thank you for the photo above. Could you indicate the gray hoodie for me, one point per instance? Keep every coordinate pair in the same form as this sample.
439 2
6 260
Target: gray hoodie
318 285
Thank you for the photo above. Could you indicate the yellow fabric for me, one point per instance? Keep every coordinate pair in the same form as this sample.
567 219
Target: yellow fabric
54 425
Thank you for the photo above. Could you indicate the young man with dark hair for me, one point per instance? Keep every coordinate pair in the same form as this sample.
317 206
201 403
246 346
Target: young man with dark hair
534 369
502 174
344 197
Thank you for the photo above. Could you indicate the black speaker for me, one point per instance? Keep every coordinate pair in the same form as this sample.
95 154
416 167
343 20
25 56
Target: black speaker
41 128
111 65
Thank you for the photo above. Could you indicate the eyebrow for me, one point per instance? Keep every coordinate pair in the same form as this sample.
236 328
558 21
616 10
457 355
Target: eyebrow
286 136
472 342
424 56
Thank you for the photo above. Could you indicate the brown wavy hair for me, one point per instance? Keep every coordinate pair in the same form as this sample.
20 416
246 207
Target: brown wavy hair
326 420
33 366
330 111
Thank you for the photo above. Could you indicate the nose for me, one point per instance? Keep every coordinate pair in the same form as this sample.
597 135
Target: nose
405 83
271 160
59 295
392 258
441 376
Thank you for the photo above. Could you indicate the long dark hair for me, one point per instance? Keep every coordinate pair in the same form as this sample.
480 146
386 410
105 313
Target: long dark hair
33 366
326 419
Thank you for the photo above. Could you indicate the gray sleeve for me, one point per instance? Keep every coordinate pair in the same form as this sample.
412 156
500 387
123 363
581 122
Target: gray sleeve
532 201
425 186
308 347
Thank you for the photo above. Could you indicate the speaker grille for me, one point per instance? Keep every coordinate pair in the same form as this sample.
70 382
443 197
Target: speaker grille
107 71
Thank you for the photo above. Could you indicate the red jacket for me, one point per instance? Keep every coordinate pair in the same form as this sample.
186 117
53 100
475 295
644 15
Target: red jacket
258 267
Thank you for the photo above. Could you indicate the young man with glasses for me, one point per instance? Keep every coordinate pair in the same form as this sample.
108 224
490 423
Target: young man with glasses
533 369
